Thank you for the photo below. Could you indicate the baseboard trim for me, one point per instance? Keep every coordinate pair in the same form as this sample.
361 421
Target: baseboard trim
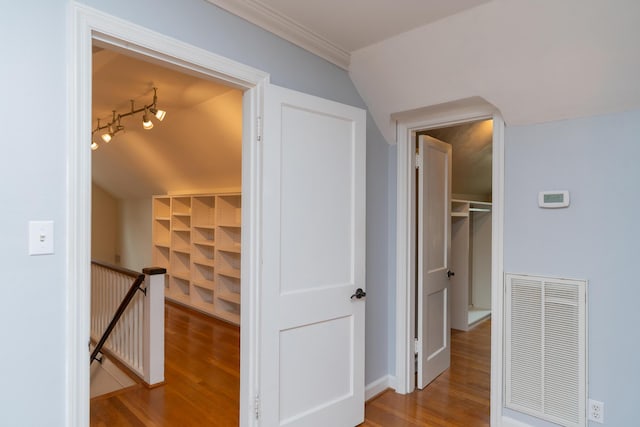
510 422
378 386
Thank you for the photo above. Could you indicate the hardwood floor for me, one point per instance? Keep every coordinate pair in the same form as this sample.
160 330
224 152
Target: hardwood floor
202 380
458 397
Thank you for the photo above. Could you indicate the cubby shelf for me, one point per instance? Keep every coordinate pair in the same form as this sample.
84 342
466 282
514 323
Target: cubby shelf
230 273
197 239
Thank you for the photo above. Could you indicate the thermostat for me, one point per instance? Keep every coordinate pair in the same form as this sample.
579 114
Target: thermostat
553 199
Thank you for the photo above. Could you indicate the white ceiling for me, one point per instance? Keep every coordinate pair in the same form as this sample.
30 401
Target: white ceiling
196 148
333 29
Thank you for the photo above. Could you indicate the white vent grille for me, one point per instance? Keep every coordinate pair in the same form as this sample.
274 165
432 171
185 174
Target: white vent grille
546 348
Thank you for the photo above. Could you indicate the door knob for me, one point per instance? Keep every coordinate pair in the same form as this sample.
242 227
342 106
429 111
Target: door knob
450 273
359 294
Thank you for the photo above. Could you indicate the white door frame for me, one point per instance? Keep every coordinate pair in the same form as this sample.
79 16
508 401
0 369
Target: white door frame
87 25
407 126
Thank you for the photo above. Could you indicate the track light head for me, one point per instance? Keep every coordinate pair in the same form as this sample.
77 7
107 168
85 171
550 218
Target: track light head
106 137
147 124
94 146
158 113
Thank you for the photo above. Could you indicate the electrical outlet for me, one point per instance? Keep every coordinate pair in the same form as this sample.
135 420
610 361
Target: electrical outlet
596 411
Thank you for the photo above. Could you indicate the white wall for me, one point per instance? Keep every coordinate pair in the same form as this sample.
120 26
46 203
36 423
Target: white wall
596 238
135 233
535 60
105 227
33 173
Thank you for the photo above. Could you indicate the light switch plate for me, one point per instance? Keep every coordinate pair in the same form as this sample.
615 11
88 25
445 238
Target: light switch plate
40 237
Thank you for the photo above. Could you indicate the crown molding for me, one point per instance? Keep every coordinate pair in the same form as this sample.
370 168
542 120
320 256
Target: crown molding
265 17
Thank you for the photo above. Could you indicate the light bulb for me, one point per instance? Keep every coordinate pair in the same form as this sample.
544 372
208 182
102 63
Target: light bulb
158 113
146 123
106 137
94 146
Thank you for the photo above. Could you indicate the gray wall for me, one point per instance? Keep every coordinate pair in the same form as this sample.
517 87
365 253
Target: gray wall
596 238
33 112
34 86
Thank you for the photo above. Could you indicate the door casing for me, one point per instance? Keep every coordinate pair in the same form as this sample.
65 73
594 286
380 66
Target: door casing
87 25
407 125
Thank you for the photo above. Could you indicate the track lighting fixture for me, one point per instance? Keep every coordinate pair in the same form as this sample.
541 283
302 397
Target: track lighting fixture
114 126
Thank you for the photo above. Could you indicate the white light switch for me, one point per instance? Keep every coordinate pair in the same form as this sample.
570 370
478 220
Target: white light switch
40 237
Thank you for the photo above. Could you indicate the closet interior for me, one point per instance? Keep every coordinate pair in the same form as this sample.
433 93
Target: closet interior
471 262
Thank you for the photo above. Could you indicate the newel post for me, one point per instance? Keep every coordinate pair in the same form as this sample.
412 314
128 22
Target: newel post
153 337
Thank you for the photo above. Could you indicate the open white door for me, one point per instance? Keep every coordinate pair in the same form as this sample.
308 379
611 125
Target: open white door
434 237
311 366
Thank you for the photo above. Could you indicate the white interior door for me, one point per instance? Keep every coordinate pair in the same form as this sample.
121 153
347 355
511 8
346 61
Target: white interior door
312 350
434 237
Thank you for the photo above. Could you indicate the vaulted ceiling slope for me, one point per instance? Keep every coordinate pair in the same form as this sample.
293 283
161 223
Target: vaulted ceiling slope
196 148
535 61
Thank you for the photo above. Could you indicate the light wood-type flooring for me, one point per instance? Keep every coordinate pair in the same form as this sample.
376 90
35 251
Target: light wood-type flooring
202 383
458 397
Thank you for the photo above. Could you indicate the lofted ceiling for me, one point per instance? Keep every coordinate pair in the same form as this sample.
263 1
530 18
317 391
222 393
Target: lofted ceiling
197 148
333 29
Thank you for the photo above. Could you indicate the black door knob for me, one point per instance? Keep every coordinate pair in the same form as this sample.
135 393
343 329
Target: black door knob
450 273
359 294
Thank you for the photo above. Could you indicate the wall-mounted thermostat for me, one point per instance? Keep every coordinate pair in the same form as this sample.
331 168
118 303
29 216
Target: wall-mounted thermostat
553 199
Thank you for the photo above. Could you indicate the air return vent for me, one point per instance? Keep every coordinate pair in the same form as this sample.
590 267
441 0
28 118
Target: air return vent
545 348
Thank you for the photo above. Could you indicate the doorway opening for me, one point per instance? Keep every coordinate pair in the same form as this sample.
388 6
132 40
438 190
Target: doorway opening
170 197
409 123
470 235
93 27
453 256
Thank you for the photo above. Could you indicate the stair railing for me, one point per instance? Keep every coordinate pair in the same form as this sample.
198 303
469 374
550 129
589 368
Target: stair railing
135 286
134 333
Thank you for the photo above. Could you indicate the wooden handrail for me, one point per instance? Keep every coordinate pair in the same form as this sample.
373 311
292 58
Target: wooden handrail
135 286
117 268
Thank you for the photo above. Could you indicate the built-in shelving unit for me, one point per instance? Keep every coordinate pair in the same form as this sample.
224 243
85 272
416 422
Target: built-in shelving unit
197 239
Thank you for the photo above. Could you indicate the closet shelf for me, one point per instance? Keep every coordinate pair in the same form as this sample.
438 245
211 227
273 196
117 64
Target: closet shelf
230 272
231 297
205 226
184 275
204 261
208 243
230 225
206 284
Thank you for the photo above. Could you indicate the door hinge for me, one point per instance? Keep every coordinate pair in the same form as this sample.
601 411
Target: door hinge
259 128
416 346
256 406
418 161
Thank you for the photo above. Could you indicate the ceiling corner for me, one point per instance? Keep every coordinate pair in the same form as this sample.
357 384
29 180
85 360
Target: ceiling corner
265 17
